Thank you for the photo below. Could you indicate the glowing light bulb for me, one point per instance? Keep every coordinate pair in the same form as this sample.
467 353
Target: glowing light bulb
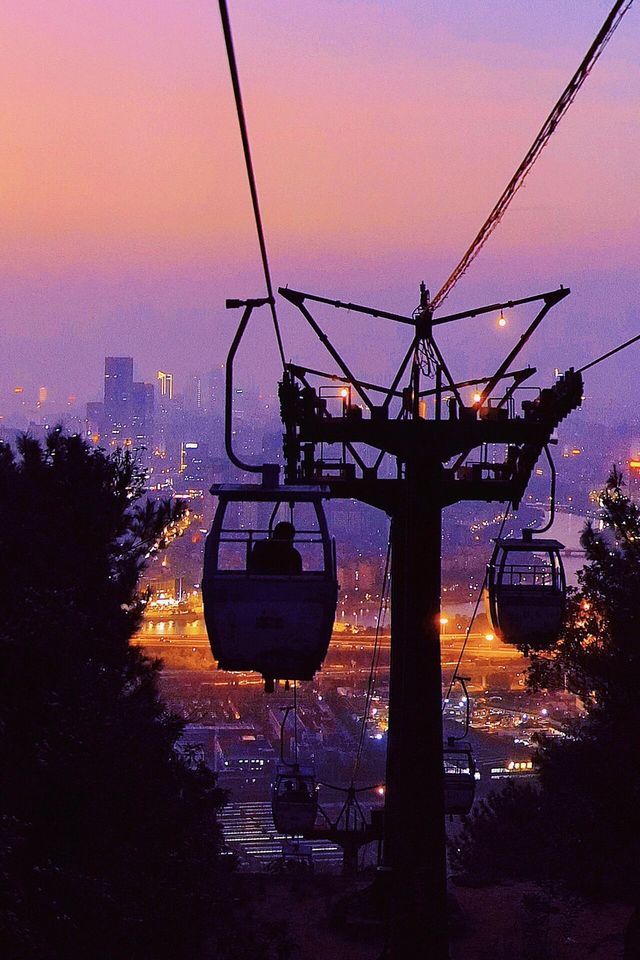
502 320
477 397
344 393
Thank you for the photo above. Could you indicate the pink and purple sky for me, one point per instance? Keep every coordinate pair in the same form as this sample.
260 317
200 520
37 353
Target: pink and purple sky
383 131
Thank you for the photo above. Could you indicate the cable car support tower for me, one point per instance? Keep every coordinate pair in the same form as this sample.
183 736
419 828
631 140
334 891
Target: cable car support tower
431 433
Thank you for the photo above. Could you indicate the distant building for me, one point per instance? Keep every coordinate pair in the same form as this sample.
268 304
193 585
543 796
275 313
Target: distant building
194 398
215 392
165 383
194 461
125 417
118 381
94 422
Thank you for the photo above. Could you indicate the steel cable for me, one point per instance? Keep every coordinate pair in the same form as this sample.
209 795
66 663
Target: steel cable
382 609
475 612
544 135
235 80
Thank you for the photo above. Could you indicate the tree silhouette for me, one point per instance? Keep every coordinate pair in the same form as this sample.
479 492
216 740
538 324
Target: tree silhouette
109 846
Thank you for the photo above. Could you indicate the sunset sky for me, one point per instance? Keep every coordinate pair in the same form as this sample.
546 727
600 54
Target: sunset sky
383 132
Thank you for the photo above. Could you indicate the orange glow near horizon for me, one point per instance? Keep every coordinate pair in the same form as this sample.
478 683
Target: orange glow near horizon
382 135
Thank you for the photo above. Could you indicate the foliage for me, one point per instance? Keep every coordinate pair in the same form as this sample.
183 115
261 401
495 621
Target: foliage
587 828
500 841
110 846
598 652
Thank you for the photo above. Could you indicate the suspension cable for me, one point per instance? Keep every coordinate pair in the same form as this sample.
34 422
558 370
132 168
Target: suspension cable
382 609
544 135
475 612
235 80
295 722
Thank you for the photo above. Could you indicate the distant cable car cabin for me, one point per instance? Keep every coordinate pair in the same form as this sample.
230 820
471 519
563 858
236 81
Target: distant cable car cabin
269 592
459 778
526 591
294 800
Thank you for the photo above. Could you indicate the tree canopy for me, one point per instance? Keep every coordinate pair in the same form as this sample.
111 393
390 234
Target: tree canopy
109 841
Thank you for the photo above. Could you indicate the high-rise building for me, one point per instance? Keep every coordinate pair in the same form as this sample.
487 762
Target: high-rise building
165 382
94 422
118 381
215 392
141 420
193 461
128 406
194 396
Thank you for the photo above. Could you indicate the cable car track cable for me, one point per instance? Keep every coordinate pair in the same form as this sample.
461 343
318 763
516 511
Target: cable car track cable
544 135
475 613
237 93
375 657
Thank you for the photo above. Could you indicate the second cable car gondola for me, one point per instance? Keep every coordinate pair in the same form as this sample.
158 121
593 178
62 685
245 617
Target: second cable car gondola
526 591
269 587
294 800
459 778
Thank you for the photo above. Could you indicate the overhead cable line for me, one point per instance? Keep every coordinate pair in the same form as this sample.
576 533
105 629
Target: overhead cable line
604 35
475 612
382 609
235 80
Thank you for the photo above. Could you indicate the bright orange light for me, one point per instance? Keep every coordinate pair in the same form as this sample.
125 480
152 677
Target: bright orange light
502 320
489 636
380 791
477 397
444 621
576 451
634 464
18 389
344 393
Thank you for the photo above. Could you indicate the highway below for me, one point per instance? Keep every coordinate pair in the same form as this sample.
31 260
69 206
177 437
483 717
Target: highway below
161 635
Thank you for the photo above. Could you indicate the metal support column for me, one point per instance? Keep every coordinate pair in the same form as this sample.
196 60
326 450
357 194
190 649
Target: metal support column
414 827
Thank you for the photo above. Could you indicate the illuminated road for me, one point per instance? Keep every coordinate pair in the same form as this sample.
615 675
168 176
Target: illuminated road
158 635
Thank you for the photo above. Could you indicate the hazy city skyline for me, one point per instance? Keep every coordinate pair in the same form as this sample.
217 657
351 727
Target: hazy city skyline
127 218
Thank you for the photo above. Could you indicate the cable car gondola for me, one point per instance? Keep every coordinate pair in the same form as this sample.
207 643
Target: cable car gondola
294 792
459 778
526 591
267 610
294 800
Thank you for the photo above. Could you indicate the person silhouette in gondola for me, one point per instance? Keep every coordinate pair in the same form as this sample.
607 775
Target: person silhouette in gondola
277 555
